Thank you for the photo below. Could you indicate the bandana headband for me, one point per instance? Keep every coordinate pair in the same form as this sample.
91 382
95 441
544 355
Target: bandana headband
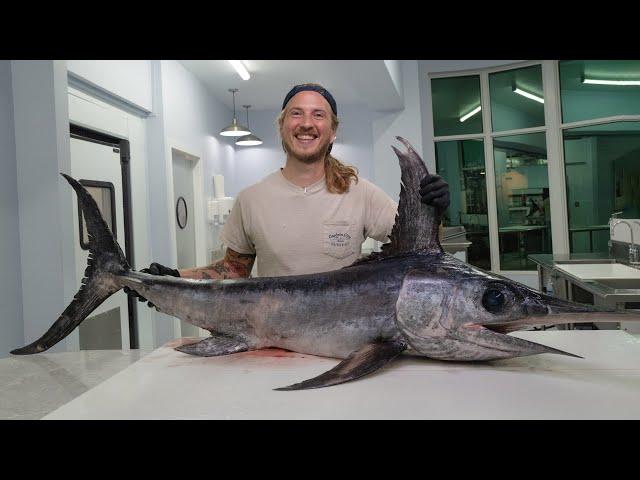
311 88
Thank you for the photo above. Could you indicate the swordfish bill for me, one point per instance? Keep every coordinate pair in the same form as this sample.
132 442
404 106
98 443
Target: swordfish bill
409 298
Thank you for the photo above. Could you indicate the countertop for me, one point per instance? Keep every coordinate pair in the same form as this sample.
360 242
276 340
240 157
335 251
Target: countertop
548 260
601 287
167 384
600 271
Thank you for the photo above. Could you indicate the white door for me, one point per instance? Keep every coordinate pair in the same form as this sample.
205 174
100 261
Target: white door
97 167
184 219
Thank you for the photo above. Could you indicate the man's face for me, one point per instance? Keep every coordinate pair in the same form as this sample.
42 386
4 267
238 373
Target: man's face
306 129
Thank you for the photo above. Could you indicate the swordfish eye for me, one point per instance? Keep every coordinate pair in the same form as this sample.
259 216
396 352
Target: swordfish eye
496 297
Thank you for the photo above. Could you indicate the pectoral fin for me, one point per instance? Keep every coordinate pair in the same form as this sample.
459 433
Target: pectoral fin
368 359
214 346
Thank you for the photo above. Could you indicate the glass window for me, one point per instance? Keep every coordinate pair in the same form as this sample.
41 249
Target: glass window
461 164
522 193
104 195
609 95
456 105
602 171
517 99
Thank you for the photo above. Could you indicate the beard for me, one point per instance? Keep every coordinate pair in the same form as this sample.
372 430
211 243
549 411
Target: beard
307 157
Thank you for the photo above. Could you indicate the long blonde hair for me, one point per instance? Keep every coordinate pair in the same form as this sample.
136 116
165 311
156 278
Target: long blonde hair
338 175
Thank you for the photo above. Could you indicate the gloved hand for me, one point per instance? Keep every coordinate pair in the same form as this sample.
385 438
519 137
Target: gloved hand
434 191
154 269
157 269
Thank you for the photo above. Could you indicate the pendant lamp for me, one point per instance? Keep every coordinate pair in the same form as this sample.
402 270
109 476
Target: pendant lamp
234 130
248 140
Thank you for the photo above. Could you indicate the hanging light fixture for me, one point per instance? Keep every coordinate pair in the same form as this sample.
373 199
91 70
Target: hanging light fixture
248 140
234 130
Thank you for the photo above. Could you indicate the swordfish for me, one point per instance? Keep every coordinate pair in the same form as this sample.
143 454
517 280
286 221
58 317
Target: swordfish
409 298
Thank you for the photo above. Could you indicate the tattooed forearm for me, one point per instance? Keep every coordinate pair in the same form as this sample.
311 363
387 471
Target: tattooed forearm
233 265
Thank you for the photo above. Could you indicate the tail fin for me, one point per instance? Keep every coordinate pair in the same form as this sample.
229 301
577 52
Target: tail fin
106 261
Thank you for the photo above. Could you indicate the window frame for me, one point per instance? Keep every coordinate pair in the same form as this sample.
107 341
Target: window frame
562 126
553 137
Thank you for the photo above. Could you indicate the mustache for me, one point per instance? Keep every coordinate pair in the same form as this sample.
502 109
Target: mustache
306 132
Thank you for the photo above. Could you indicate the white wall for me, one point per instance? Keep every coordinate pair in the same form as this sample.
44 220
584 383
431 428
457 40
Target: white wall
42 151
188 117
252 164
354 143
193 118
395 72
11 326
128 80
406 123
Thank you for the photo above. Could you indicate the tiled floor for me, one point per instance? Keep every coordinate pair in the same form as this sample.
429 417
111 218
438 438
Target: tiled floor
33 386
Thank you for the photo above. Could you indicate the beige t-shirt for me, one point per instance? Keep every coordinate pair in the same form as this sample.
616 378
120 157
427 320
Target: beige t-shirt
295 230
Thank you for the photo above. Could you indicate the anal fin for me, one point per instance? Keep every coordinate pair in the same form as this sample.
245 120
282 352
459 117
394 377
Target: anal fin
214 346
364 361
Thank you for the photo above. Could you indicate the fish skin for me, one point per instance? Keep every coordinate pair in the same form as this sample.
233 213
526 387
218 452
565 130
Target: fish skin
327 314
409 298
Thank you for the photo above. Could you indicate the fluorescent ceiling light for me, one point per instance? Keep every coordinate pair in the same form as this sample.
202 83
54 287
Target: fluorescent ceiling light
471 113
528 95
240 68
593 81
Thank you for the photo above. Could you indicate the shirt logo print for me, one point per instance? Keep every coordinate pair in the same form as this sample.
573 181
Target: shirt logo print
339 239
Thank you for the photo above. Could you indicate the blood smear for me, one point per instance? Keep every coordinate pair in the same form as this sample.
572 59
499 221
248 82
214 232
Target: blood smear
273 352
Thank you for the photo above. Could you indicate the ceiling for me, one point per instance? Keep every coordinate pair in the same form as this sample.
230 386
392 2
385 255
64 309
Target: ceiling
351 82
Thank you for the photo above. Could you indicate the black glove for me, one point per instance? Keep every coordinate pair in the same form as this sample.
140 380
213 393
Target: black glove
157 269
154 269
434 191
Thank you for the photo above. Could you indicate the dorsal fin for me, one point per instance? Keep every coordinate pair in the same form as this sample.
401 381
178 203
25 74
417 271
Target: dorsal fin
417 224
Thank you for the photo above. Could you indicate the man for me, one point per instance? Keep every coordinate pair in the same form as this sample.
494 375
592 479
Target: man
313 214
